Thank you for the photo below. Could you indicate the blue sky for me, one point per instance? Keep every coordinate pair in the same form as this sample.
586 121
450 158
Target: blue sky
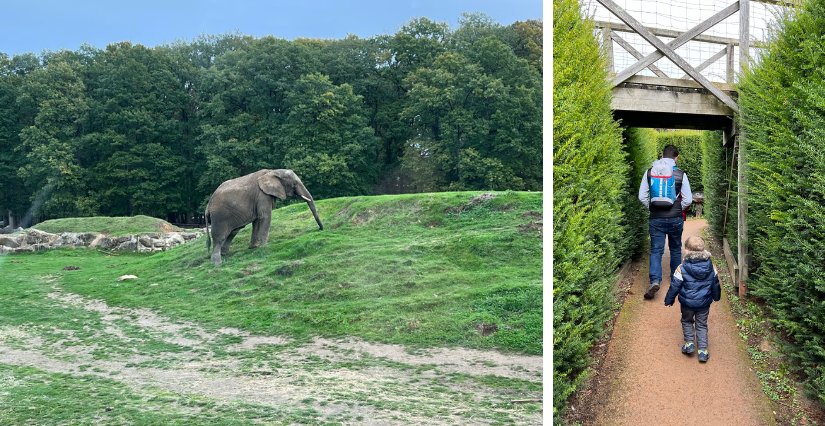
35 25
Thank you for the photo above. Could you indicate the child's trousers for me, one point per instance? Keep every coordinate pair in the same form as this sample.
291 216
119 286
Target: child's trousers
700 318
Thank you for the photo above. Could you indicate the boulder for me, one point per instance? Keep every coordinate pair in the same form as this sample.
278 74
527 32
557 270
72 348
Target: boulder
11 241
36 236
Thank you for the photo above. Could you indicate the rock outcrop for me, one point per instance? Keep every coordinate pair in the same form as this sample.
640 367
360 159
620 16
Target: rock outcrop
36 240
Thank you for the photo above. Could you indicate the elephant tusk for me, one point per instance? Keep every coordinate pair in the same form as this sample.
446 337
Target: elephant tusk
305 198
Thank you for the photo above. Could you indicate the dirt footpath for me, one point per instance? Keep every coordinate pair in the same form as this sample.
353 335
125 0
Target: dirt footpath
646 380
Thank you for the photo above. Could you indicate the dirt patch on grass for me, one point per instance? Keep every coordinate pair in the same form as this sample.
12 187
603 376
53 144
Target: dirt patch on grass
168 227
474 201
384 384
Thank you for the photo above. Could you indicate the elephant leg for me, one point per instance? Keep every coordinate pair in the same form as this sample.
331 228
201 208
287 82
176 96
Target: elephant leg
255 241
219 233
263 229
260 231
229 238
216 253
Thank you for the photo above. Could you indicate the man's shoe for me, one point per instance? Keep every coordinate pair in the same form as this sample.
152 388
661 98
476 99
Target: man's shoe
654 287
703 355
688 348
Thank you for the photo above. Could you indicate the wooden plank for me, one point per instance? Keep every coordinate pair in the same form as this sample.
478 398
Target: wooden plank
729 134
621 274
730 64
666 101
632 50
710 61
733 268
675 82
744 34
662 32
607 39
742 189
678 41
669 53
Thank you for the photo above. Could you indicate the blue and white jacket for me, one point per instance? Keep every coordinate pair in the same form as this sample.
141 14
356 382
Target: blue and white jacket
695 281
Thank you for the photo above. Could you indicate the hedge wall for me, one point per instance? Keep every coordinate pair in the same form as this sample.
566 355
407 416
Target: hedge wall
782 100
589 171
641 148
718 182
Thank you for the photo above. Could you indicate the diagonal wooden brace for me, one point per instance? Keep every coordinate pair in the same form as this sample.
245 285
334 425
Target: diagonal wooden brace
669 53
632 50
676 43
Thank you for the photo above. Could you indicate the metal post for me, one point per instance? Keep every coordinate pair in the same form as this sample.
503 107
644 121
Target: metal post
744 53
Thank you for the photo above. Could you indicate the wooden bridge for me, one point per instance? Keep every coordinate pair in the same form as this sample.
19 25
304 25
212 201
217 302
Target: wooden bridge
689 101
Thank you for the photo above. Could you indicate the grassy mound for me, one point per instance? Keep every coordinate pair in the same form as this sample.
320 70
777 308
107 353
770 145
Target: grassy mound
442 269
113 226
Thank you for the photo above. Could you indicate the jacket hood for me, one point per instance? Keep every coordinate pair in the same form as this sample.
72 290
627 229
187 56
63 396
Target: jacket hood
668 161
698 264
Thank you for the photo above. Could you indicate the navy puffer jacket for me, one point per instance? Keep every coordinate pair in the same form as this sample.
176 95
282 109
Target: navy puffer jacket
695 281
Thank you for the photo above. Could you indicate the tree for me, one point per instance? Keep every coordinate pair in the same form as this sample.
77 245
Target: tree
327 138
57 97
477 121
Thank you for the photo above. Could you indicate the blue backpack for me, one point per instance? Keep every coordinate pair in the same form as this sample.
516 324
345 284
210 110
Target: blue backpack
662 186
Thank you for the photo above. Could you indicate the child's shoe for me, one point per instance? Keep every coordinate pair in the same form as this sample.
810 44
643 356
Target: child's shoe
703 355
688 348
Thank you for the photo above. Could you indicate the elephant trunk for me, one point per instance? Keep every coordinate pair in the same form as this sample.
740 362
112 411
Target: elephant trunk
302 191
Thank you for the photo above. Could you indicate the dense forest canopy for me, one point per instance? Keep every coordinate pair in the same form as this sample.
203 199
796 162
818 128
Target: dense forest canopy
130 129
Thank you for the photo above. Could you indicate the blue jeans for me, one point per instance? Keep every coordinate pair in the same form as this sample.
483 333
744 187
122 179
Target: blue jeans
659 229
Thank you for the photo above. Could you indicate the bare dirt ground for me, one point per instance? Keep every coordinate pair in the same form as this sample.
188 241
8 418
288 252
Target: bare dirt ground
275 371
646 380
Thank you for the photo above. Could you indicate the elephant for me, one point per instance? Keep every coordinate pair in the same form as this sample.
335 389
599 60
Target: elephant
250 198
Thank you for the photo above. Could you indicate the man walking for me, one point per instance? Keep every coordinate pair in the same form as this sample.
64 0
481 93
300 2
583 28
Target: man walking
665 191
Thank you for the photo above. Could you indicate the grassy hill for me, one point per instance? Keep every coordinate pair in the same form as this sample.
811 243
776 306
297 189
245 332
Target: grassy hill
421 269
113 226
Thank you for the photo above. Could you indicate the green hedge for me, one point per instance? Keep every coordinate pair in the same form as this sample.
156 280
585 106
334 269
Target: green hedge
689 143
589 170
782 100
641 148
718 182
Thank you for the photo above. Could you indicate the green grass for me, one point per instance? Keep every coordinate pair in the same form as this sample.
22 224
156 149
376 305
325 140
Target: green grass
31 396
421 270
114 226
428 270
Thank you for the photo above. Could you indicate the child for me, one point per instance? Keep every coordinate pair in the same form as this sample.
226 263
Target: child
697 284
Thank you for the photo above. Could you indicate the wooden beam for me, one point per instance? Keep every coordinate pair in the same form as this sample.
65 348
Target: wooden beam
680 40
710 61
667 101
630 49
675 82
669 53
742 190
607 39
661 32
730 64
733 267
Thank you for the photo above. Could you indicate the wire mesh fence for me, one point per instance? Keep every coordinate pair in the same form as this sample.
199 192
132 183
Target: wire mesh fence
681 16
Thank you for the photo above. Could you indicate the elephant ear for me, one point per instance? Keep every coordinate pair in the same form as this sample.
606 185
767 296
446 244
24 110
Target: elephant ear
271 184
